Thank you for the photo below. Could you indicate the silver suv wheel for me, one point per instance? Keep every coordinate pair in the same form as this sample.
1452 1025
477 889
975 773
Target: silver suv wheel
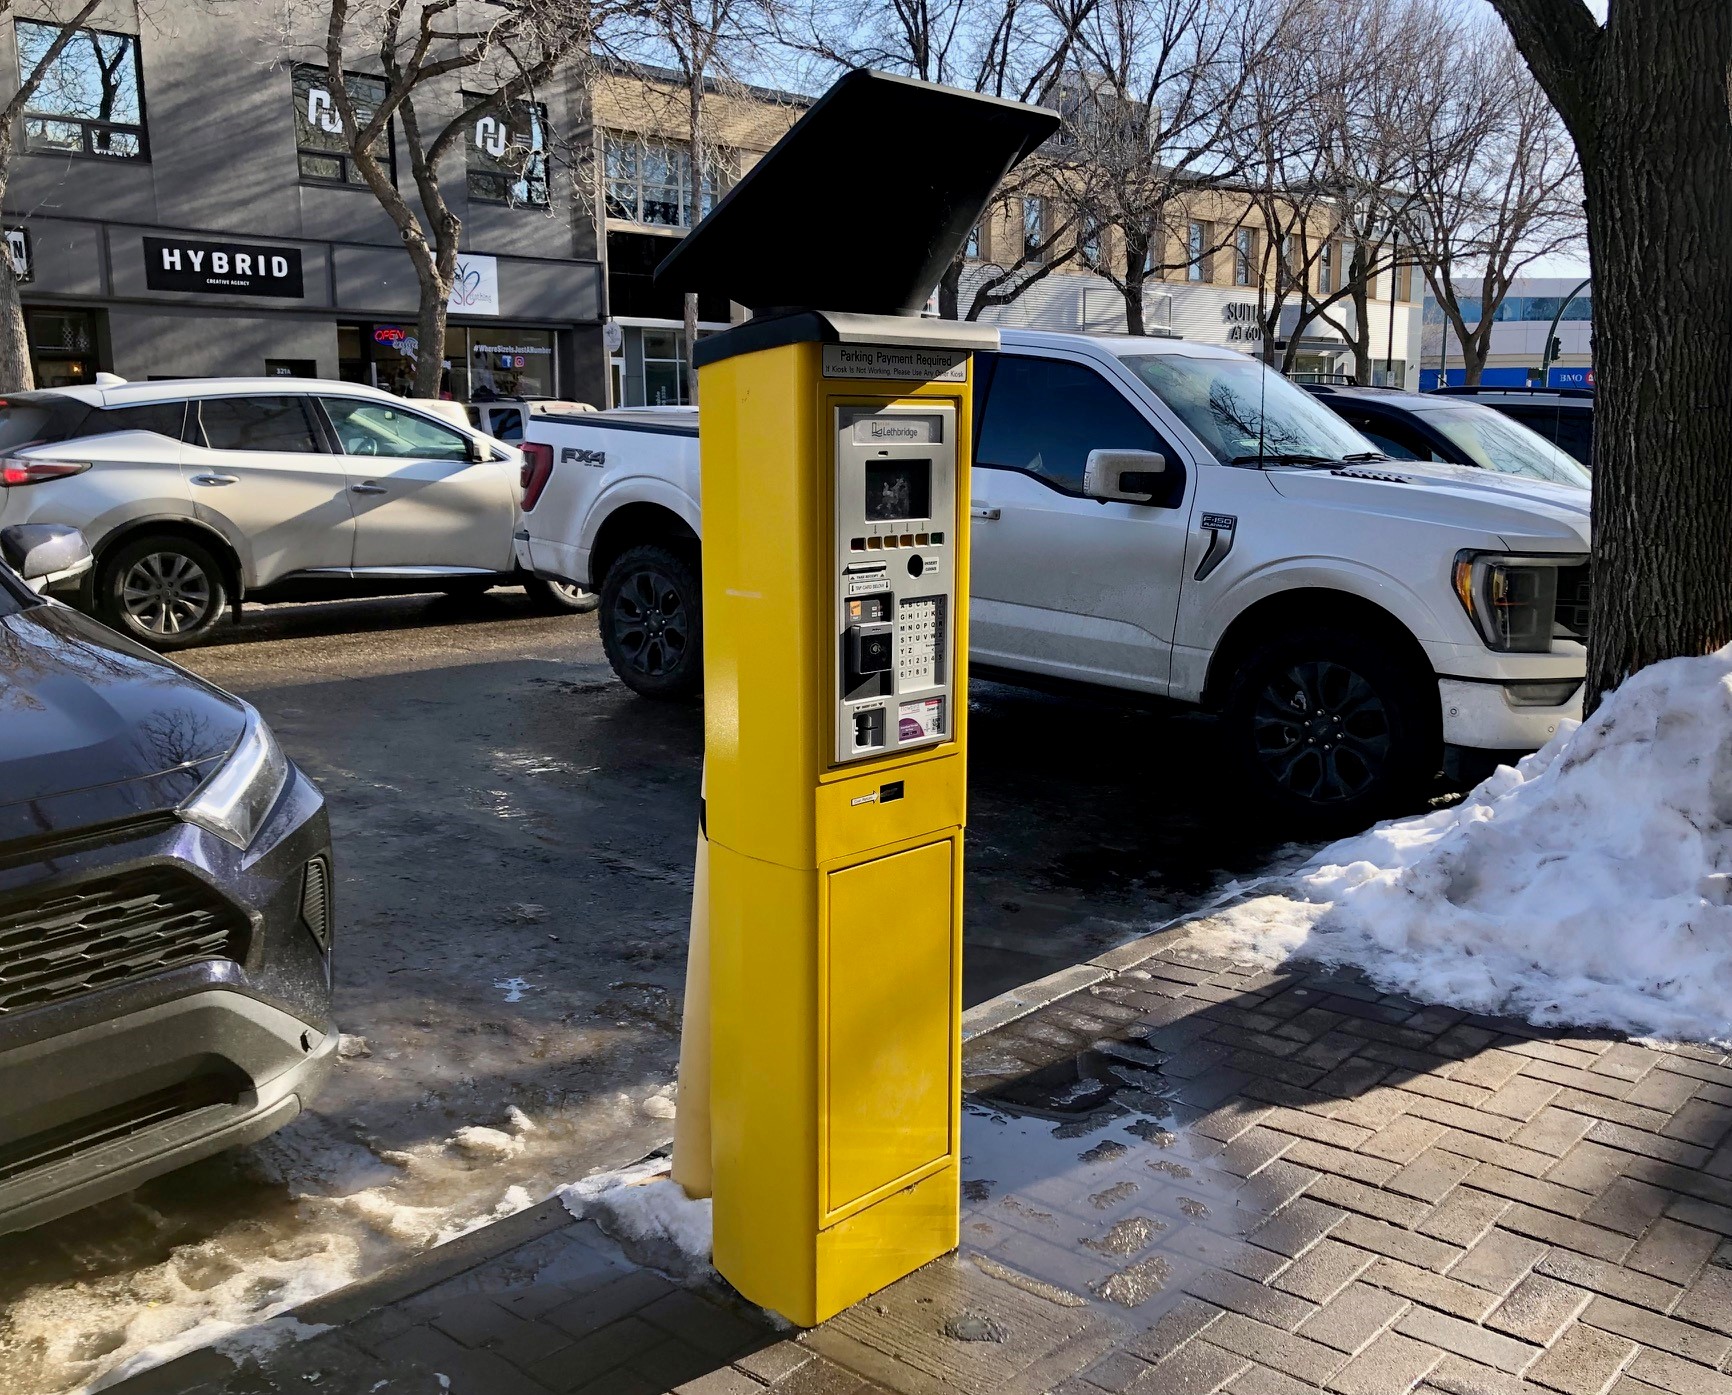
165 593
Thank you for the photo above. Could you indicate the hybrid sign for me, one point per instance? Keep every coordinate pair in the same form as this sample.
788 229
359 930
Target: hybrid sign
222 268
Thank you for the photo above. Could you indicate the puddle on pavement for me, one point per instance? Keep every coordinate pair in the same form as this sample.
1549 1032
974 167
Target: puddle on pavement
1083 1178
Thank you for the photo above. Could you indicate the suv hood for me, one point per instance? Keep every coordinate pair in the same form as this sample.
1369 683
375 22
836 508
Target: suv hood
94 728
1524 514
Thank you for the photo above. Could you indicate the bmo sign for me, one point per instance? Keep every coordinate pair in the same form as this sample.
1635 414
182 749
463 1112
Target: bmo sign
222 268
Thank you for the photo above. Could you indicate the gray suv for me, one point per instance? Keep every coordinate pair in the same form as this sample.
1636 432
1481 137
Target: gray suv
165 908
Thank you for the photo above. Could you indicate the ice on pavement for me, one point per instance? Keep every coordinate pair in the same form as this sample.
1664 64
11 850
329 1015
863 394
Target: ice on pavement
1591 885
649 1215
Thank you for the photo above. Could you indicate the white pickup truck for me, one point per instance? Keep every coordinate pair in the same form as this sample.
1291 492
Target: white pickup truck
1172 520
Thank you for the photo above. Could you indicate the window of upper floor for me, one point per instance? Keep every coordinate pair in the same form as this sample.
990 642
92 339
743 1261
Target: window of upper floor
508 156
1244 256
1034 226
650 181
90 98
321 144
1197 253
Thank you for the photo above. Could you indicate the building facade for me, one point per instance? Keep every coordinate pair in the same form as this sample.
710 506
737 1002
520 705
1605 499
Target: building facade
1213 283
643 149
181 206
1518 336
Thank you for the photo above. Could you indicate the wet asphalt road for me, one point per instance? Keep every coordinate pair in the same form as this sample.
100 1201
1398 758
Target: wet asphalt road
513 833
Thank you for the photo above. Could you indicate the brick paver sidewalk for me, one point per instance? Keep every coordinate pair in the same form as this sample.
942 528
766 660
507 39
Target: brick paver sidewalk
1188 1177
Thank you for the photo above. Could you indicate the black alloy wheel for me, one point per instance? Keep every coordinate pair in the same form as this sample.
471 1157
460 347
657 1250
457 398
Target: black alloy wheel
1322 732
651 622
1332 729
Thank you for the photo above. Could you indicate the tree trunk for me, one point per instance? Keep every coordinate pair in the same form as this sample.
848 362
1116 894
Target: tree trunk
1659 201
950 291
16 374
1362 364
430 338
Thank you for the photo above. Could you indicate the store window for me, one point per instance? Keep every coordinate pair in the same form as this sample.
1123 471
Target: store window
321 145
500 362
664 368
62 346
91 97
651 182
508 156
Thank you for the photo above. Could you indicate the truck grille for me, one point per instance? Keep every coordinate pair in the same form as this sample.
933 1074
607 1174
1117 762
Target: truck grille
107 931
1575 598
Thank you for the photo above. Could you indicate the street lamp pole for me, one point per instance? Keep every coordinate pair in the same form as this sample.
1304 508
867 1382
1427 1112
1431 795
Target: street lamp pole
1552 329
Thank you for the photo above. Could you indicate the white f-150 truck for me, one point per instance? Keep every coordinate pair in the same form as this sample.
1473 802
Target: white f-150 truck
1166 519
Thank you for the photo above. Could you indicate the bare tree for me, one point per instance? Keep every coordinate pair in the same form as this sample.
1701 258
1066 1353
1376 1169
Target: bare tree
1492 183
449 66
73 56
1005 48
1646 97
1361 106
1149 111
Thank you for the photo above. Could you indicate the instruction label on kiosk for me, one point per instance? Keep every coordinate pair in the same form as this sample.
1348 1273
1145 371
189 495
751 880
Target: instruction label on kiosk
899 361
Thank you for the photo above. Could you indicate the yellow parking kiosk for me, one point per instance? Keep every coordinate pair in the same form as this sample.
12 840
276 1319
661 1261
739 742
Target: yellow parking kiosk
835 433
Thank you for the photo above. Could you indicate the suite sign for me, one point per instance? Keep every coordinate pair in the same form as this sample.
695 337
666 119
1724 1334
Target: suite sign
222 268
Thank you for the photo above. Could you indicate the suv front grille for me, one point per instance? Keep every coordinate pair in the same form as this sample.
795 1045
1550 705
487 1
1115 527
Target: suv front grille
1575 602
110 930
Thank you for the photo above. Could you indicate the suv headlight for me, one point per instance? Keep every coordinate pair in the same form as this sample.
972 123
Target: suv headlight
233 803
1512 601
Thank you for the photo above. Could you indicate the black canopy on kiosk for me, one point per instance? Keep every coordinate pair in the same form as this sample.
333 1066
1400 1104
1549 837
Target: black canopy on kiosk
862 205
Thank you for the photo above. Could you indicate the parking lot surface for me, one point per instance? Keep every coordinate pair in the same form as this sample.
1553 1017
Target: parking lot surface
513 833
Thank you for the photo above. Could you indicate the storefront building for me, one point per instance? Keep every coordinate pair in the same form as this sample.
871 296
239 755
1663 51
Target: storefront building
182 210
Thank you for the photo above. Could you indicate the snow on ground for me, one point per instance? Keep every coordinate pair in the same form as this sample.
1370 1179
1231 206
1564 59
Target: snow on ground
649 1215
1591 885
346 1210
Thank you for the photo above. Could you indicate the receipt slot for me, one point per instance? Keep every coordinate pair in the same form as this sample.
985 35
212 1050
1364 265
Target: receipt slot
835 446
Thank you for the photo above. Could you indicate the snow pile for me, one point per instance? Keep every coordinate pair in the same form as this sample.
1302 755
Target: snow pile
1590 885
650 1216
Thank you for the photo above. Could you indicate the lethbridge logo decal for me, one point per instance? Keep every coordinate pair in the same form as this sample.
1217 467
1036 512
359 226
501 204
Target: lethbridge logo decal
475 288
222 268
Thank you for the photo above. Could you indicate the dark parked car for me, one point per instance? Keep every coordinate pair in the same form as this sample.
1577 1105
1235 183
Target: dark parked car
1454 430
165 907
1564 416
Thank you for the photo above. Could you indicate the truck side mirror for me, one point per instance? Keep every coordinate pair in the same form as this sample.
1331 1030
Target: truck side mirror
44 551
1127 475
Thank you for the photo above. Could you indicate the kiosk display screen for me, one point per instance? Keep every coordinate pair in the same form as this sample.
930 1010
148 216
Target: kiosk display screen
898 489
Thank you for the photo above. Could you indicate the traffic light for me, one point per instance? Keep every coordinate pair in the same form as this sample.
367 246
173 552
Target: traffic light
1554 350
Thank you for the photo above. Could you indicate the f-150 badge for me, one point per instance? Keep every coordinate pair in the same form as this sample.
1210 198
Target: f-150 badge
1220 527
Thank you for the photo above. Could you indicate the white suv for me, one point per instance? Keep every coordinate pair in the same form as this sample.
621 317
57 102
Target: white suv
196 493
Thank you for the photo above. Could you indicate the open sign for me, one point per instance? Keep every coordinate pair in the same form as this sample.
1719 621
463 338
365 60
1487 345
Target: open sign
389 334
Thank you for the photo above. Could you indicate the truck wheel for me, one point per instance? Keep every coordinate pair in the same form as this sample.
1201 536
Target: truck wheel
560 597
1331 730
652 622
163 590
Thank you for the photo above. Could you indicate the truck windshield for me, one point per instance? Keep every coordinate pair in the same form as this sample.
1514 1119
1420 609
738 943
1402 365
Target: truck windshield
1494 442
1244 411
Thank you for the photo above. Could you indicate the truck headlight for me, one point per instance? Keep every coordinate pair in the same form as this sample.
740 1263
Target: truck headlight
1512 601
233 803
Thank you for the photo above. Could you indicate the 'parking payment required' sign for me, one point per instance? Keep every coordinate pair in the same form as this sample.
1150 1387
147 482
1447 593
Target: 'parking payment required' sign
895 361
